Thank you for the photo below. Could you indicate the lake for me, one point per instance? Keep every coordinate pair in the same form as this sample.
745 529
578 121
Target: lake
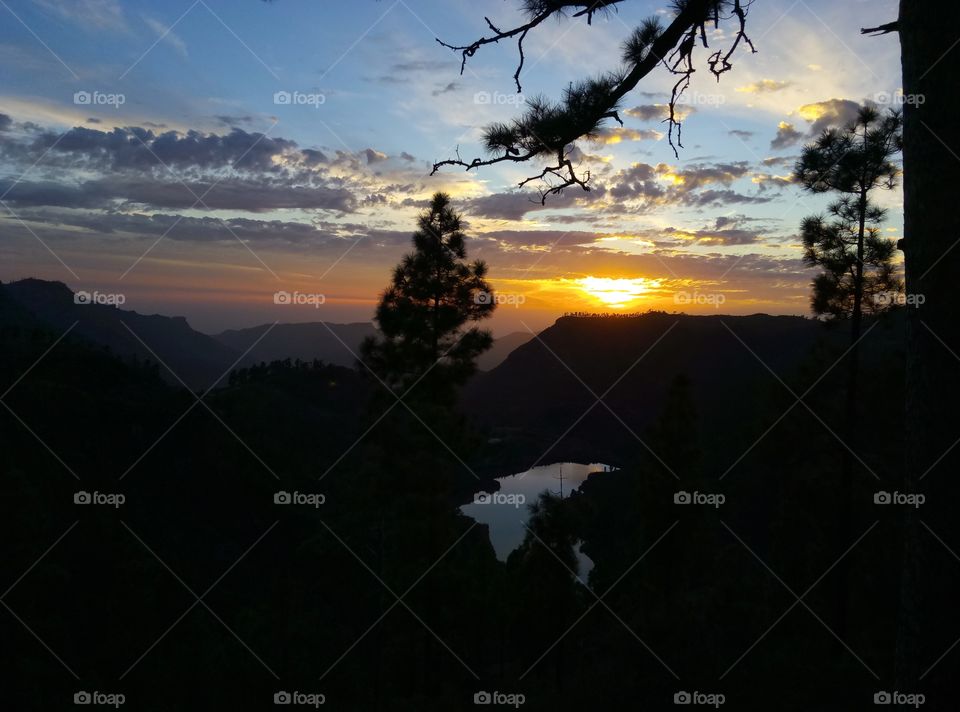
505 512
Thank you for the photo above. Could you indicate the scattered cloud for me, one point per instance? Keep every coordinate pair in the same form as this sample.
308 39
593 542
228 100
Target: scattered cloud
787 135
89 14
767 180
166 34
826 114
778 161
608 136
374 156
137 169
659 112
452 86
764 86
728 236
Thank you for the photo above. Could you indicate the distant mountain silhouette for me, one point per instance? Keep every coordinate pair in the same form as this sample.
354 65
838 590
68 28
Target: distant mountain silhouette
502 347
531 399
196 358
306 342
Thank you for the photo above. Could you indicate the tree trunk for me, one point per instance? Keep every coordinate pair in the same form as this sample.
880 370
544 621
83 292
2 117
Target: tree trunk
851 424
928 619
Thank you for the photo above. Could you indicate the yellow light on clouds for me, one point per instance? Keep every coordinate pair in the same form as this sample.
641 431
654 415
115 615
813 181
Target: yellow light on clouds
812 112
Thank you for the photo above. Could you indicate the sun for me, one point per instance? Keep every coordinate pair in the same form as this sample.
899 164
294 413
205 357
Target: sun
617 292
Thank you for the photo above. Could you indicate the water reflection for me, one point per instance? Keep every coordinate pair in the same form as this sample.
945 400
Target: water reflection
505 512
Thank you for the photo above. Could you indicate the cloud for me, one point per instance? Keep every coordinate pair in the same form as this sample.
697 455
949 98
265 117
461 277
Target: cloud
819 115
404 72
659 112
166 34
764 86
138 168
718 198
728 236
725 221
141 148
618 134
699 175
767 180
452 86
641 180
116 192
778 161
665 185
578 155
89 14
374 156
510 206
5 122
233 121
420 65
740 134
787 135
826 114
318 237
509 240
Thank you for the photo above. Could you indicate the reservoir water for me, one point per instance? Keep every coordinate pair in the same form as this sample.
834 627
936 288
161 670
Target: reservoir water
506 513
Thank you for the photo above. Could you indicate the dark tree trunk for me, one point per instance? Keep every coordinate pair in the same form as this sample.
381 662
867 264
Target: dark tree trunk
851 425
931 67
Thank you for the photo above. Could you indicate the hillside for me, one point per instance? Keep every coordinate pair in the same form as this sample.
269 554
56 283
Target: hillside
196 358
307 342
535 392
502 347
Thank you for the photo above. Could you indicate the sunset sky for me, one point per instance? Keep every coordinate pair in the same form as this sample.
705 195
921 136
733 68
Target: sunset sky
112 125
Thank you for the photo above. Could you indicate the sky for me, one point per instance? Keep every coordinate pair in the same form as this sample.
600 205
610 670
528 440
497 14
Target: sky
201 156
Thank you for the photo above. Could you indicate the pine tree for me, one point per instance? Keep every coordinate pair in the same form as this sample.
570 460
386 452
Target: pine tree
852 161
833 243
425 345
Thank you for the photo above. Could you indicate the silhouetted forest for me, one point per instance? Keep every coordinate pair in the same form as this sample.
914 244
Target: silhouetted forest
675 591
235 522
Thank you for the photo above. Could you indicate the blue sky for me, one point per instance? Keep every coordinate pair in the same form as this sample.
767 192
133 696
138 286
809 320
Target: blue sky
324 199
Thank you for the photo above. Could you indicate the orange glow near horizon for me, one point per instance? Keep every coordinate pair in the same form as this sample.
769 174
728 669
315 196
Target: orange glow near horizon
617 292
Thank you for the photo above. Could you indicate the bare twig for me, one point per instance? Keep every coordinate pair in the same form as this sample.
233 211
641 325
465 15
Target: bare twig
591 103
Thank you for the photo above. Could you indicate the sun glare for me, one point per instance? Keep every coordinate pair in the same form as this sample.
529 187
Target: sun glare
617 292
